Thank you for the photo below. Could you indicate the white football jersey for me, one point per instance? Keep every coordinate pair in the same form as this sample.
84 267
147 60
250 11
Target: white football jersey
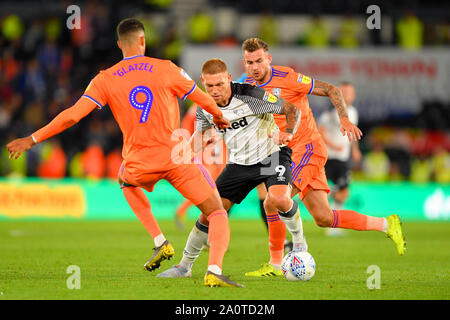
330 120
250 113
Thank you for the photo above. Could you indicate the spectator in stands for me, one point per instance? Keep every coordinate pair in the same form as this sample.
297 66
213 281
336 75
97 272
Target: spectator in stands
12 27
201 27
376 164
152 35
93 162
421 170
52 29
443 32
317 33
32 84
159 4
173 45
440 165
9 111
348 33
34 35
82 38
49 57
53 161
9 66
75 168
62 89
66 60
410 31
268 29
397 149
113 162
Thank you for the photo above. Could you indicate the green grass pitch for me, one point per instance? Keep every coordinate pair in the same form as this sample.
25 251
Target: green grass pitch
35 255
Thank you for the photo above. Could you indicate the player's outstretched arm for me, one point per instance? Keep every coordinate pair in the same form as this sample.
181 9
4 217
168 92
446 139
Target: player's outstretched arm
322 88
61 122
208 104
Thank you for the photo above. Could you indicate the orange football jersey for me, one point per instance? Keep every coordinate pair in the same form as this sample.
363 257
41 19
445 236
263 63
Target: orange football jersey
294 87
142 94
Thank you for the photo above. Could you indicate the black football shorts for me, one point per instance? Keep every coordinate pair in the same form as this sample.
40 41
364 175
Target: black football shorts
236 181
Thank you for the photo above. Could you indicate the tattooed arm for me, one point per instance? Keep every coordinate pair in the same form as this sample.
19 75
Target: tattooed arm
293 116
322 88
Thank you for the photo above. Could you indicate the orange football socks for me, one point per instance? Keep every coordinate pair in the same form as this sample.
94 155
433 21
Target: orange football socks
218 237
277 234
349 219
140 205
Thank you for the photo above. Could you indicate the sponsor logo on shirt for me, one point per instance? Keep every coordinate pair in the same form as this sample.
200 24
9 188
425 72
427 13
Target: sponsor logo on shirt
270 97
303 79
234 125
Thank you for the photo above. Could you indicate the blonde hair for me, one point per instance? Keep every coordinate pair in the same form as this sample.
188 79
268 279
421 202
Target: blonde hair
214 66
253 44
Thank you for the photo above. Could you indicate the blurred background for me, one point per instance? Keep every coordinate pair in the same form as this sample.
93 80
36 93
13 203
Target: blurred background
401 73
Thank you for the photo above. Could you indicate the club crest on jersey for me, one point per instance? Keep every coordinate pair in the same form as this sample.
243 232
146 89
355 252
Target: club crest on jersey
270 97
239 112
277 91
303 79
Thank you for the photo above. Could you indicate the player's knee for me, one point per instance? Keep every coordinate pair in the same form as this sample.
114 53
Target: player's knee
323 220
281 202
203 219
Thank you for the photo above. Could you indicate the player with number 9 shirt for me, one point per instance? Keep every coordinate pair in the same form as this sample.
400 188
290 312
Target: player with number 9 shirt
257 154
142 94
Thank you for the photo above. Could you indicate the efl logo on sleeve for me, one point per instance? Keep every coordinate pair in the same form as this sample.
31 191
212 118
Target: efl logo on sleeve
304 79
270 97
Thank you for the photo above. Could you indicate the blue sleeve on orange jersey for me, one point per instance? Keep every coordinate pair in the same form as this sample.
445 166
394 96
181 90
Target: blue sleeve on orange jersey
181 83
95 92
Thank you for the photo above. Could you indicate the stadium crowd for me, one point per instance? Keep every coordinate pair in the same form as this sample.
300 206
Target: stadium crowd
45 67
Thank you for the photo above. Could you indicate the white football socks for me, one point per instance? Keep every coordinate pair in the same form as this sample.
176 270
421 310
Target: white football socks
385 225
215 269
293 223
195 242
159 240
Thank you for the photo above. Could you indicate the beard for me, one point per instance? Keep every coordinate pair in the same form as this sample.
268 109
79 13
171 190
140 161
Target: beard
261 76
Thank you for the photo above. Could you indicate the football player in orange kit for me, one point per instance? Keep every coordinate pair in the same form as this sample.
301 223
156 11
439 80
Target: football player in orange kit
213 158
142 94
309 150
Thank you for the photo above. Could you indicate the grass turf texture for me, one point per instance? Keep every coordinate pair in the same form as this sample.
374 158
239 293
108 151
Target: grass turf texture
34 257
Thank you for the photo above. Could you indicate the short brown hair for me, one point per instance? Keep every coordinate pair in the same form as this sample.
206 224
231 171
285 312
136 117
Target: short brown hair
253 44
128 26
214 66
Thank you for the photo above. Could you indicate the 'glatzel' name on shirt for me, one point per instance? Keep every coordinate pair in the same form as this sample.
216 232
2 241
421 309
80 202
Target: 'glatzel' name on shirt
133 67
